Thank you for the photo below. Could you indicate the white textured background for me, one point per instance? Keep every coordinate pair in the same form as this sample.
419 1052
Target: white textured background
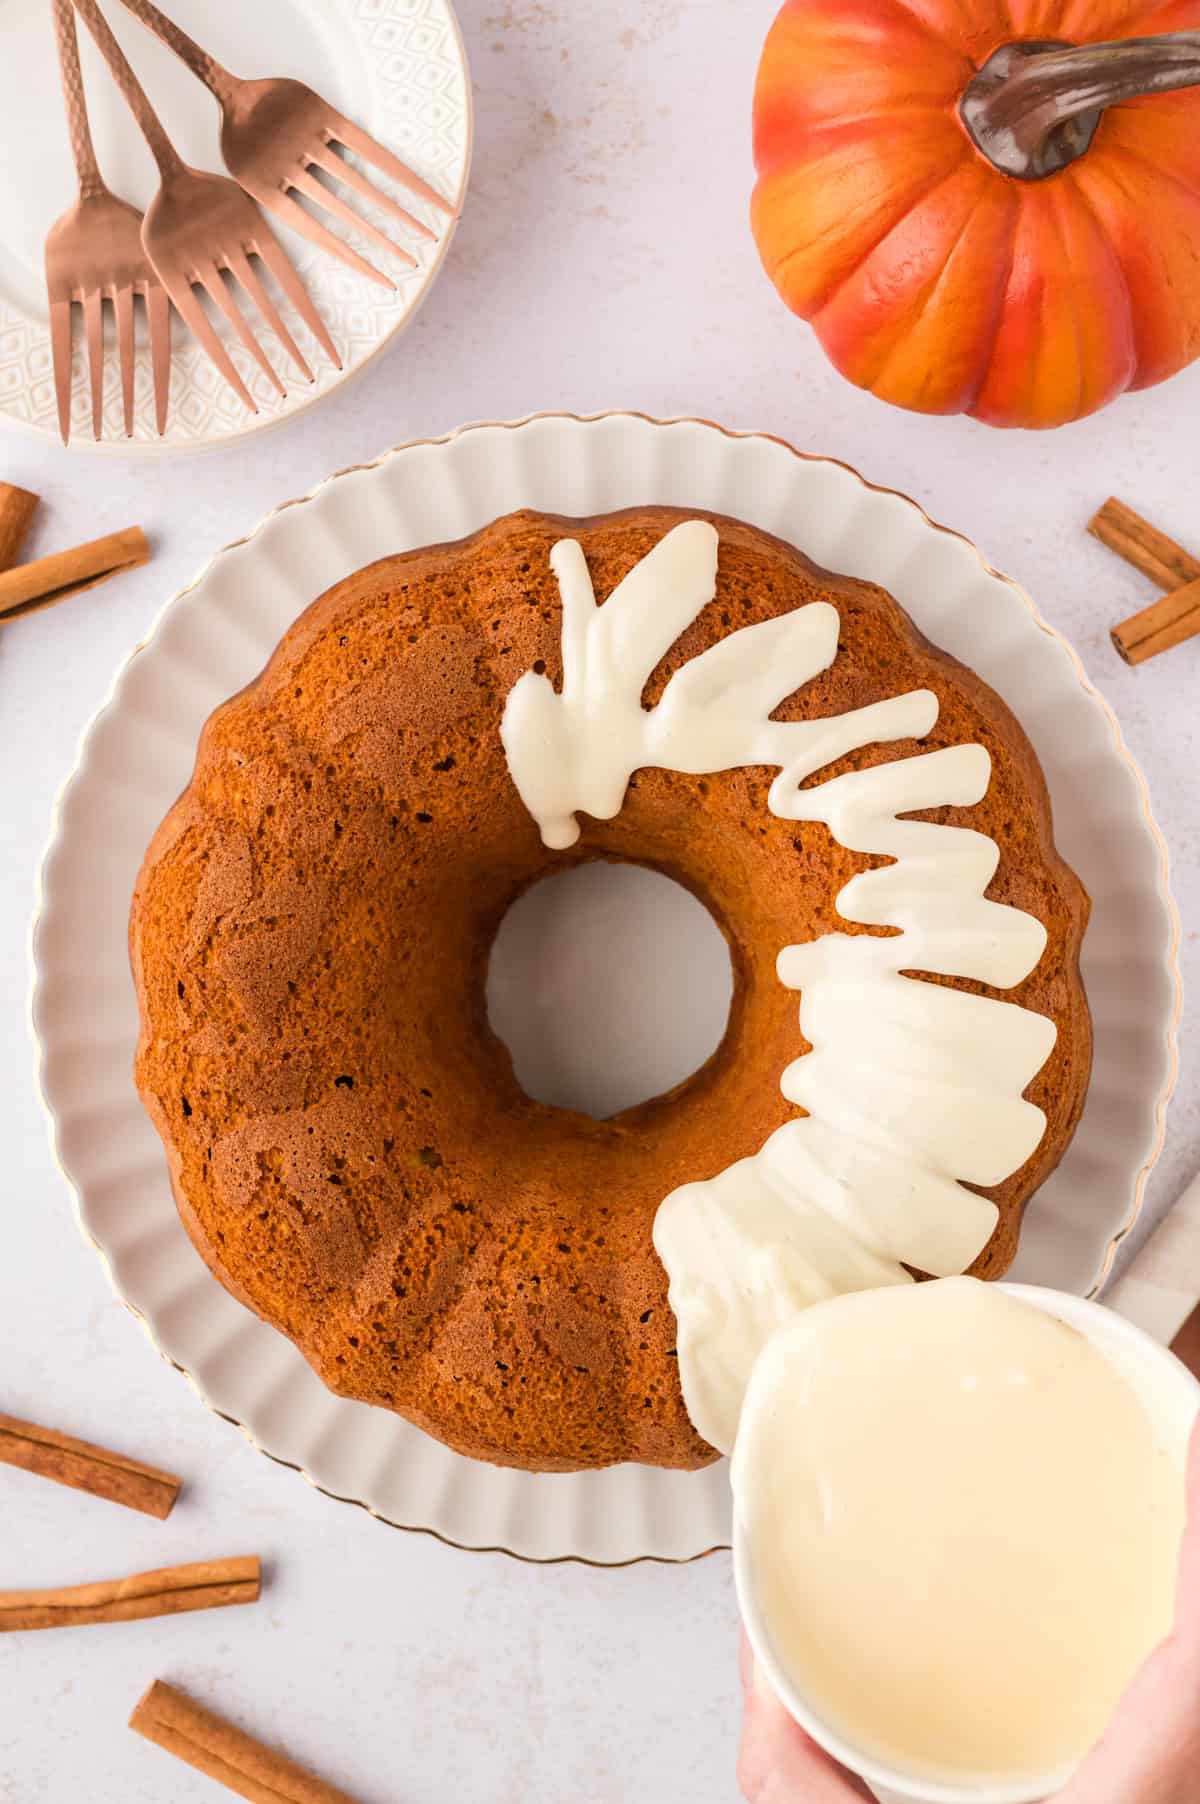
604 261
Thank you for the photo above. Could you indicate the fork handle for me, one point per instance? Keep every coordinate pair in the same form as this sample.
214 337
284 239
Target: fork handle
82 149
164 152
219 82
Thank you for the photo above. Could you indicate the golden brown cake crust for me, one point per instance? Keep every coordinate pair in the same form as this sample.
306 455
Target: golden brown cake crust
310 931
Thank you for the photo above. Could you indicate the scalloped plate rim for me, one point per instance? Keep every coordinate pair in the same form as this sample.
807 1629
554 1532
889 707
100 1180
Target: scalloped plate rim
1149 1152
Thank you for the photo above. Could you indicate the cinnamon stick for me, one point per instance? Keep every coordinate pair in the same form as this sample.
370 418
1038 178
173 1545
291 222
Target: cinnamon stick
204 1585
211 1745
1166 622
50 579
85 1467
1143 546
1186 1345
17 508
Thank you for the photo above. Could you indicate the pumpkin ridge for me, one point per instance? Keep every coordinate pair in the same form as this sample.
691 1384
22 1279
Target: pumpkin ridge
1087 203
1006 25
846 275
812 130
962 20
985 363
1116 175
1151 18
1055 216
926 300
802 140
1126 153
899 7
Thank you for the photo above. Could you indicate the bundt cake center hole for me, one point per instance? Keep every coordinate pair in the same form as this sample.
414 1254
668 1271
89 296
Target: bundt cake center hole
609 984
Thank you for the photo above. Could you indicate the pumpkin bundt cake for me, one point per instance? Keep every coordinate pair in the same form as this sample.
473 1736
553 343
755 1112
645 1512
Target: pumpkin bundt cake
310 932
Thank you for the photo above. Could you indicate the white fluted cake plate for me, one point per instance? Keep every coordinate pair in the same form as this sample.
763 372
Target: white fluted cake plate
214 637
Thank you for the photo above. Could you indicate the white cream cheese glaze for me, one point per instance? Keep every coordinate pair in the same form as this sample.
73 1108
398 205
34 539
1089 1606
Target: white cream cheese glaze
910 1086
958 1554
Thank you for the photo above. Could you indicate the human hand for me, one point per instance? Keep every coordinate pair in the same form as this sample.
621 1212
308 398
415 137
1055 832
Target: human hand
777 1762
1150 1753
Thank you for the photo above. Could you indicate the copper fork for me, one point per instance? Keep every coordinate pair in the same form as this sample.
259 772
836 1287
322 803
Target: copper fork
276 134
93 254
200 225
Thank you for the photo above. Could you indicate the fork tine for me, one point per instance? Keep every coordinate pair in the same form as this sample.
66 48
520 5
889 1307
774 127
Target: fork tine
307 183
294 215
280 265
60 344
197 321
93 320
209 276
241 266
361 142
158 313
328 159
123 308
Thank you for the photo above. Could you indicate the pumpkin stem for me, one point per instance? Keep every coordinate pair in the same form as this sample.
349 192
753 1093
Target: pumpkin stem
1033 108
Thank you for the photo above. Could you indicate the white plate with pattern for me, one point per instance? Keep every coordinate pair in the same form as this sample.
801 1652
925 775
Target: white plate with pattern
215 636
396 67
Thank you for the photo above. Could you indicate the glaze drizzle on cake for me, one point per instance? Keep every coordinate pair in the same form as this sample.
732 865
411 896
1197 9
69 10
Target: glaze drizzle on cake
910 1086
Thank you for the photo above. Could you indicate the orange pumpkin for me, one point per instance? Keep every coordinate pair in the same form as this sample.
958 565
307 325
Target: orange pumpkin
978 212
